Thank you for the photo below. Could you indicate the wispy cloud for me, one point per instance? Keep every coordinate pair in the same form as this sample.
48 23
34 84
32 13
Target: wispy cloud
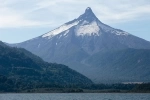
16 17
10 18
23 13
123 10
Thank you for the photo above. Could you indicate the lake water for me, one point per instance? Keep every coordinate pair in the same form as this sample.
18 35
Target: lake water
76 96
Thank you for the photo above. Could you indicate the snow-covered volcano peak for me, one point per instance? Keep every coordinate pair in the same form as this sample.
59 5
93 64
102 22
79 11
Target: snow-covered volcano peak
86 20
85 25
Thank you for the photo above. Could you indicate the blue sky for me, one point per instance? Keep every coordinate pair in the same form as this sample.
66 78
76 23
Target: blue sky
21 20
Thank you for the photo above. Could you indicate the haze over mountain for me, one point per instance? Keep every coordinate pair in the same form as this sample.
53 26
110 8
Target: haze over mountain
82 41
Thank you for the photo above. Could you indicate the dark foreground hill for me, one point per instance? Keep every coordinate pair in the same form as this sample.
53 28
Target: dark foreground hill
21 69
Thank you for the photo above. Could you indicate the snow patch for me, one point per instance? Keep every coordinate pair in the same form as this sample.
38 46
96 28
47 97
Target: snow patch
88 29
111 30
59 30
66 33
119 32
60 36
85 22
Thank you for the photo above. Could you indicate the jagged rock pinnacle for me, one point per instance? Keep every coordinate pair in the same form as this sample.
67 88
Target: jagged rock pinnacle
88 9
88 15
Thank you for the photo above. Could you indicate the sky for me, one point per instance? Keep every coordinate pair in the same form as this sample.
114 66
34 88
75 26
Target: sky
21 20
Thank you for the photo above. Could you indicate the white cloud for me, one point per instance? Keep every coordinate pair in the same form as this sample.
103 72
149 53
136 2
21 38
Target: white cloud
22 13
123 10
10 18
17 17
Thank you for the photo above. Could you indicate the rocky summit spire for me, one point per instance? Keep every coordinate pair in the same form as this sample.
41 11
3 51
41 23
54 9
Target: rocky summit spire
88 10
88 15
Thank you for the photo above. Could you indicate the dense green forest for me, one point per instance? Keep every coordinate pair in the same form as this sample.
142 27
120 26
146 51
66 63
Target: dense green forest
17 86
21 70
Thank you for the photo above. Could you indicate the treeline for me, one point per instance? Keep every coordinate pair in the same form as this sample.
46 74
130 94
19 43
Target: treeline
15 86
143 88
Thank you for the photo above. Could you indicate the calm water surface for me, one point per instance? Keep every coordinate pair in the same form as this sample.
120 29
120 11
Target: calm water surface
76 96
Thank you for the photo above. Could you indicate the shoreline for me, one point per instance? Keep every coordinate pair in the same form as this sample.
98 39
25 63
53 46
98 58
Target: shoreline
84 91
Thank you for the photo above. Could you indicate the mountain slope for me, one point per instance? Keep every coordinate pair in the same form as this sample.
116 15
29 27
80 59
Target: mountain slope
75 41
128 65
23 66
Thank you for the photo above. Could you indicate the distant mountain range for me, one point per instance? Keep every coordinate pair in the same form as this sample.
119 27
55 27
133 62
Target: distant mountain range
102 53
18 67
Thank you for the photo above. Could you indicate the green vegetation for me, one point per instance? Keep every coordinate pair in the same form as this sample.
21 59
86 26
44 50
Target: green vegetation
17 86
120 88
21 70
